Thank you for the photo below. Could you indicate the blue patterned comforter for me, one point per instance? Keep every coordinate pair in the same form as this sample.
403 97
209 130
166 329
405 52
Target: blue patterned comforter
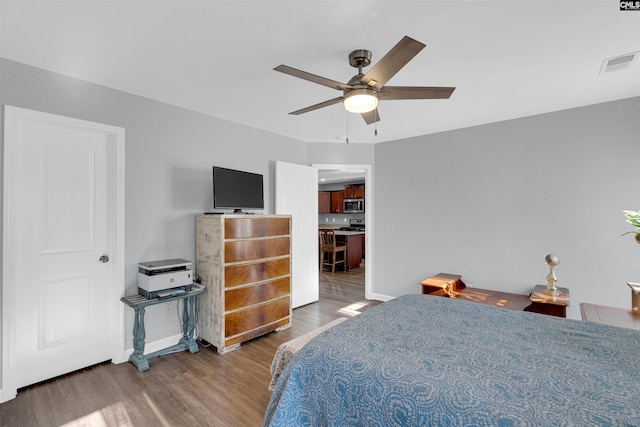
420 360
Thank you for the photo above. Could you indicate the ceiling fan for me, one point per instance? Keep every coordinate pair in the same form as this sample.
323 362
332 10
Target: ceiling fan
362 93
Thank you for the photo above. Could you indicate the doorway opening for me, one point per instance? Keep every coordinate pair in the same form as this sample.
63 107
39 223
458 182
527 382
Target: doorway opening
336 176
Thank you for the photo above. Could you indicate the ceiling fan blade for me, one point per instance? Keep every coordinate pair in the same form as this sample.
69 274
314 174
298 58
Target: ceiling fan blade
317 106
371 116
392 62
414 92
312 77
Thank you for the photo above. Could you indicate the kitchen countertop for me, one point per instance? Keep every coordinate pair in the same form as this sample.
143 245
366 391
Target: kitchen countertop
336 227
348 233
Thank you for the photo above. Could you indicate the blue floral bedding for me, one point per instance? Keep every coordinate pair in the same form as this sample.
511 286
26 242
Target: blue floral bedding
421 360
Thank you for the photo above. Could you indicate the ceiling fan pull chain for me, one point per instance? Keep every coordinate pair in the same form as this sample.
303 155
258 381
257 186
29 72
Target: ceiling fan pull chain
346 117
375 124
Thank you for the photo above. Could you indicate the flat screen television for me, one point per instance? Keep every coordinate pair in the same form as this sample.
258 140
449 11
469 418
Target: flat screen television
237 190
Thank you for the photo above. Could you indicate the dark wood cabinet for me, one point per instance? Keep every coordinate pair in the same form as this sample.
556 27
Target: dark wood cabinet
337 201
355 191
354 243
324 202
333 201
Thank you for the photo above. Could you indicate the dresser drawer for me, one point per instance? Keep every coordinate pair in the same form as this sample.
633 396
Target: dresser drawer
242 321
244 274
245 228
247 250
251 295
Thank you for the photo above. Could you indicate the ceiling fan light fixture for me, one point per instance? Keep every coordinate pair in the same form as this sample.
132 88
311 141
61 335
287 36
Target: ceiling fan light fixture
360 100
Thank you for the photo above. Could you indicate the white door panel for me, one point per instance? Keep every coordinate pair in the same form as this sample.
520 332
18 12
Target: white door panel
61 213
63 233
69 204
296 195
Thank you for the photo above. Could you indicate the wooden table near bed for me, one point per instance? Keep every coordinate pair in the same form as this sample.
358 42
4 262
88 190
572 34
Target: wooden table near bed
611 315
452 286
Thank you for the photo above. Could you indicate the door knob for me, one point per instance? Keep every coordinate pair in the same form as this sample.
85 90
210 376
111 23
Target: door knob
103 259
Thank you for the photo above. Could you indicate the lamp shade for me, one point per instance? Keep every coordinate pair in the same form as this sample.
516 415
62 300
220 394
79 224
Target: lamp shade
360 100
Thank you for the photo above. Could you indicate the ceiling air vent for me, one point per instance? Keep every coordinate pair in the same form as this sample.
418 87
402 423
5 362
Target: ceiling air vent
619 62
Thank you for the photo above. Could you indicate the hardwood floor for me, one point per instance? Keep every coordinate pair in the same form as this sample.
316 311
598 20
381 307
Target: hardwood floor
200 389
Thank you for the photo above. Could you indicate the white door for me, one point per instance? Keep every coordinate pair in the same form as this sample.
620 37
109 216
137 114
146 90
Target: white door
60 235
296 195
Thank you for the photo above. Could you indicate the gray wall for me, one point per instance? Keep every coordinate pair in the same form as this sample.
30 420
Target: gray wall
169 154
340 152
489 202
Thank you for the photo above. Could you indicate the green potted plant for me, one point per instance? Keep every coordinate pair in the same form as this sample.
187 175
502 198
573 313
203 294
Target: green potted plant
633 218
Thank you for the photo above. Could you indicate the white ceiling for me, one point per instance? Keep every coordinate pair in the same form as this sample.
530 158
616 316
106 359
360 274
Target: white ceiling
507 58
335 176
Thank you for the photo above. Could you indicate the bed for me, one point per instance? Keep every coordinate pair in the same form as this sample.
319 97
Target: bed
421 360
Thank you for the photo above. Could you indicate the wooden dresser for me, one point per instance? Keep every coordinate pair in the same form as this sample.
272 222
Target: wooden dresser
244 261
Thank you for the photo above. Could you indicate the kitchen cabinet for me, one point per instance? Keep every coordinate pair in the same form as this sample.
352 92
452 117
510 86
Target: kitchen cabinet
333 201
355 191
324 202
354 243
337 201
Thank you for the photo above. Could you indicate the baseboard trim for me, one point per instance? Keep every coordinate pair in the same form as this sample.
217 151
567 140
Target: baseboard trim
152 347
4 398
380 297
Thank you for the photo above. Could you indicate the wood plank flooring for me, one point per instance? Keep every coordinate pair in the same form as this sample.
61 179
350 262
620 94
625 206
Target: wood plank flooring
200 389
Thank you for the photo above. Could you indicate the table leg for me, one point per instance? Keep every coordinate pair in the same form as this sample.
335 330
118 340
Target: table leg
188 325
185 319
137 357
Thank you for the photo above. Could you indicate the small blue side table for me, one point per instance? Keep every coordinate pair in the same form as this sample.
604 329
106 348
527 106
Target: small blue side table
187 342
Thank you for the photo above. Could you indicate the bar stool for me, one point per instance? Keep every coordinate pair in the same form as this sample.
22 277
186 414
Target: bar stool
327 239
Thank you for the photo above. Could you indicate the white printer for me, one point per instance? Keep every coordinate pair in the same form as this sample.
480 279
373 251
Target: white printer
164 278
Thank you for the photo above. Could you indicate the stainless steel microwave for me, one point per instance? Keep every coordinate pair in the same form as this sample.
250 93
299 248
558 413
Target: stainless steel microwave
353 205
